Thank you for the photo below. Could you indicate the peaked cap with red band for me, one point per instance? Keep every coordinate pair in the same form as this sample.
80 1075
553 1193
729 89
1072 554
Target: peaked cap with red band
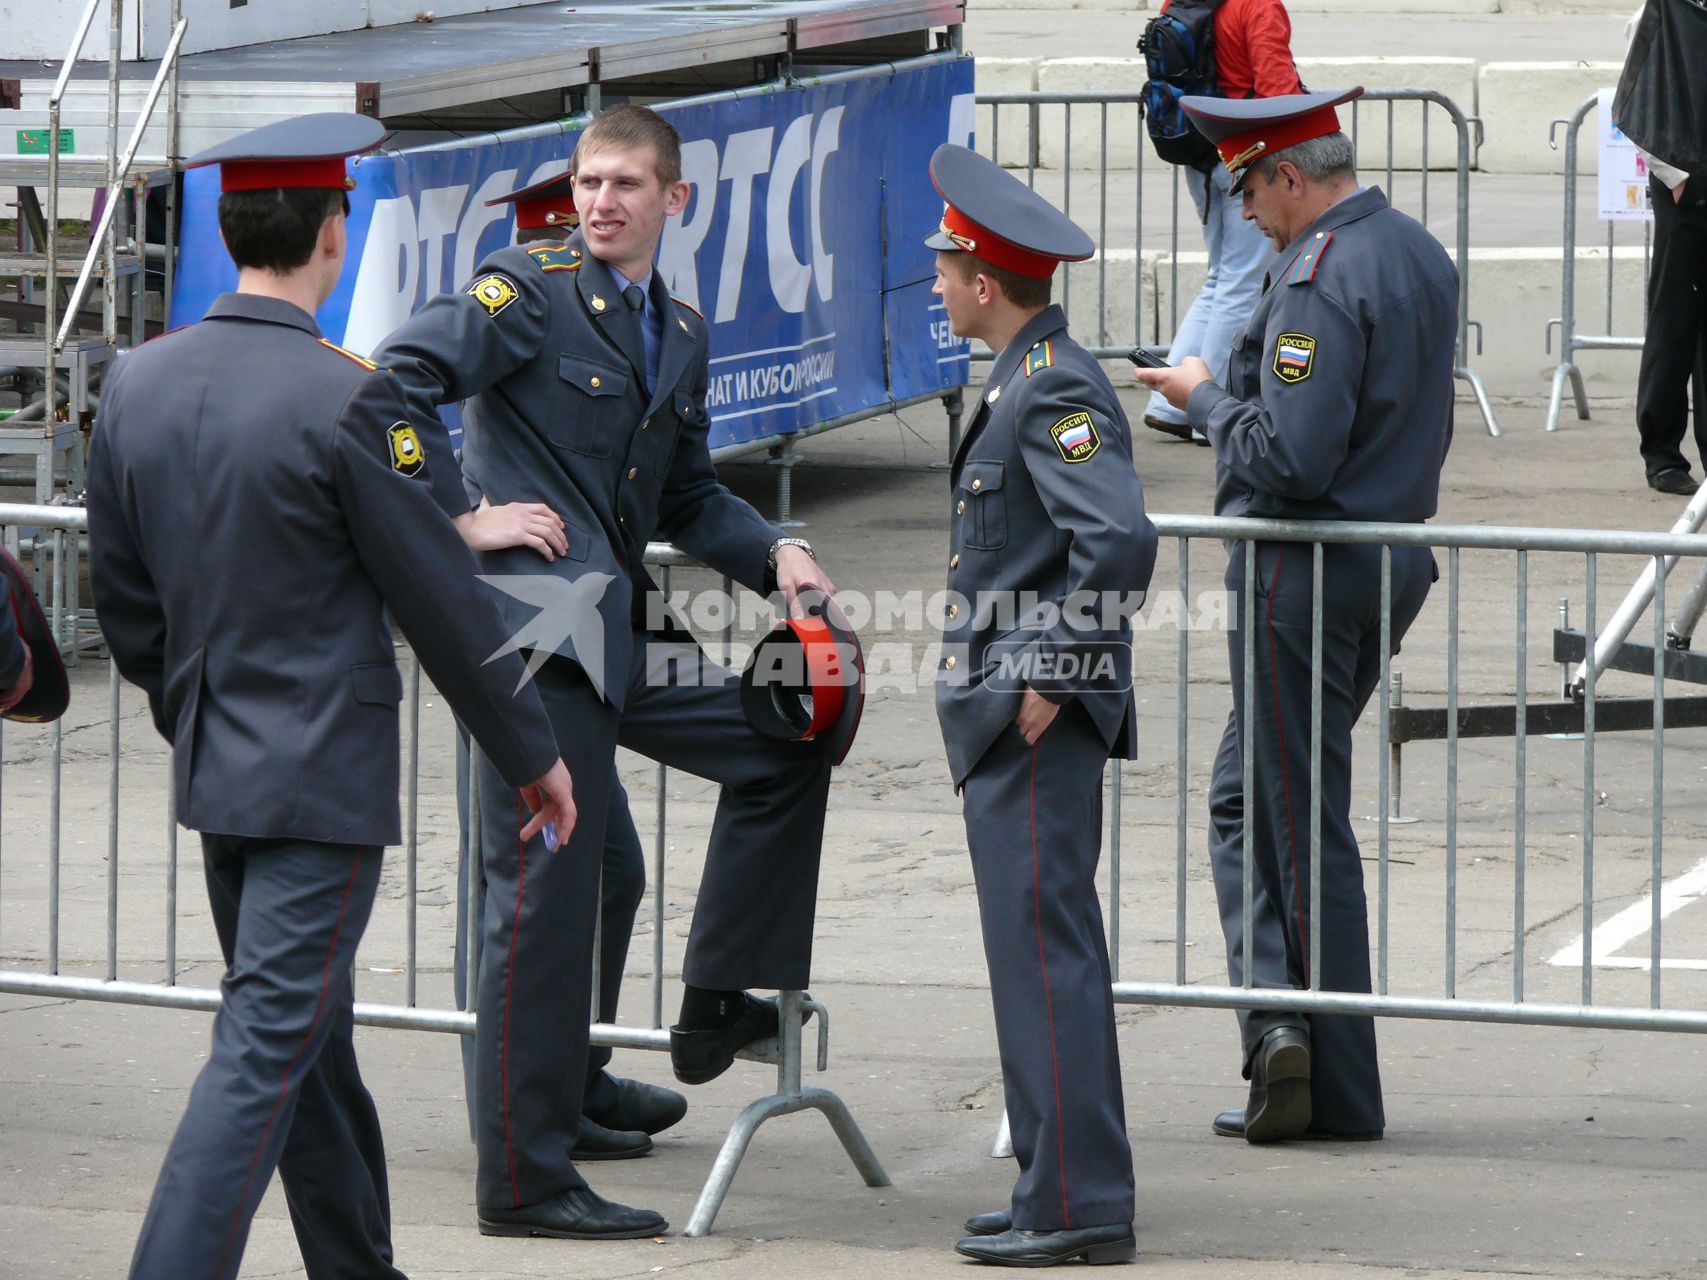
1246 129
806 679
992 215
303 152
547 203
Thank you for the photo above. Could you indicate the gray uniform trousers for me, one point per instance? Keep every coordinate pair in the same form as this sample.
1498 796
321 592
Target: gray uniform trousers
622 883
1345 1082
752 926
280 1088
1034 824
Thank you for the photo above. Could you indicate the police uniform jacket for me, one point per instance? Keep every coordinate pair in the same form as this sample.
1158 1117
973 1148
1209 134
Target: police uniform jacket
551 363
1048 508
1338 401
256 500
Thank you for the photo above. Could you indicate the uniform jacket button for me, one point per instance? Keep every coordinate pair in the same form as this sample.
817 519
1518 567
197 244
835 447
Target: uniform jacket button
594 381
960 507
632 472
953 611
645 422
977 485
948 663
954 561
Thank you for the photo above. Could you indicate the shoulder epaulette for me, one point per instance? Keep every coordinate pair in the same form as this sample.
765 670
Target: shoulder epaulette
1304 269
556 257
369 365
683 302
1041 356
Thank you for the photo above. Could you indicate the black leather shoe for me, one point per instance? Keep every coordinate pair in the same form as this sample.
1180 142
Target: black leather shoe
990 1224
1231 1124
1279 1105
595 1142
1673 480
1012 1248
704 1053
650 1108
581 1214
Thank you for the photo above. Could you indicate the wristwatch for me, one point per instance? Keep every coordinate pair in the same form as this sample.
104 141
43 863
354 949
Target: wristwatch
780 543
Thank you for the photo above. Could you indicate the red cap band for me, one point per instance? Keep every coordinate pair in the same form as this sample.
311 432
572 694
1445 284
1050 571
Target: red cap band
266 175
1238 150
546 211
824 670
998 252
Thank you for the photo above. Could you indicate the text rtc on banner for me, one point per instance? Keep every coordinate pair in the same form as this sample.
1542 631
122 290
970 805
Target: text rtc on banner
428 242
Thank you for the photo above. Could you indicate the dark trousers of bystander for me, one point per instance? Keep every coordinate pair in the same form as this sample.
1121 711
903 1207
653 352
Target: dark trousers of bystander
1676 343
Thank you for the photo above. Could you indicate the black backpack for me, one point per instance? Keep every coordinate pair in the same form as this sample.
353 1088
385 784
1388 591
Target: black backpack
1179 54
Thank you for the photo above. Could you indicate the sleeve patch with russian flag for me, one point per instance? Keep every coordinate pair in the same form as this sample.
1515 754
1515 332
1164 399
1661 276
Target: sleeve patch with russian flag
1075 436
1294 356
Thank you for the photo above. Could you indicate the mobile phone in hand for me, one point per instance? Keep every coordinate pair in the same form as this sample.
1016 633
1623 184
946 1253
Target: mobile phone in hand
1144 360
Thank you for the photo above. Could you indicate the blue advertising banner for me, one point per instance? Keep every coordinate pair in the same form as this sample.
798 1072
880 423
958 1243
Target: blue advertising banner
801 243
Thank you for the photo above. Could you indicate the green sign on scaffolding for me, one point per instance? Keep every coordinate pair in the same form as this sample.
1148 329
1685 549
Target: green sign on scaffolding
33 142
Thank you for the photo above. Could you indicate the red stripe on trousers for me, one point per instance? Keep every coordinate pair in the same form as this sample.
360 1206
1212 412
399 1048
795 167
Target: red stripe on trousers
509 981
1048 1000
1285 777
284 1086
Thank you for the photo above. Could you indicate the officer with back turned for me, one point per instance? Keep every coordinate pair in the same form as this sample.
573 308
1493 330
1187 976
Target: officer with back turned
257 500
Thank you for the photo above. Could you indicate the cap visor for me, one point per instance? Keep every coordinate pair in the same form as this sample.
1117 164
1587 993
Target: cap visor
939 241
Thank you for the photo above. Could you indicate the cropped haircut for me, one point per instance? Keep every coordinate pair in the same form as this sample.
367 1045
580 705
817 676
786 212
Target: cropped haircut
276 229
627 127
1023 291
1319 159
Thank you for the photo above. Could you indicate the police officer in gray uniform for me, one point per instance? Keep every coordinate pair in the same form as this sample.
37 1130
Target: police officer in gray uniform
257 500
585 386
1049 555
1338 406
618 1115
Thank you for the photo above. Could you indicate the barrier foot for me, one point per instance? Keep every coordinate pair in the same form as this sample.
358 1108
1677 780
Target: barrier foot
1482 402
1556 398
788 1098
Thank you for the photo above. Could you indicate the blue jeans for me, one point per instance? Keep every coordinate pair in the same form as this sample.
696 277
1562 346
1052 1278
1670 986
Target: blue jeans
1239 255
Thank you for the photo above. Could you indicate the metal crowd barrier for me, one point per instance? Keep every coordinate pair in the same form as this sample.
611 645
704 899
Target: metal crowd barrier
1454 540
1129 327
65 524
47 746
1570 341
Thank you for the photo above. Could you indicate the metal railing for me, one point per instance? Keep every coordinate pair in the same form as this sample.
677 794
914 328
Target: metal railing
1170 922
66 525
1134 327
1570 341
1660 551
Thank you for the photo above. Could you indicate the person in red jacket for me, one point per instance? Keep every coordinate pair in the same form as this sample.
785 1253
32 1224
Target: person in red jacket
1253 59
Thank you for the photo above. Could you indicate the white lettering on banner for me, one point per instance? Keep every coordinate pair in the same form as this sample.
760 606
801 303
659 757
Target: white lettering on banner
441 209
790 277
390 271
479 217
405 258
759 380
684 235
827 139
745 156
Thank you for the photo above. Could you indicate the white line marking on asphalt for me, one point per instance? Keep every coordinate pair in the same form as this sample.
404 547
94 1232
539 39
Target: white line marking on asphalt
1619 931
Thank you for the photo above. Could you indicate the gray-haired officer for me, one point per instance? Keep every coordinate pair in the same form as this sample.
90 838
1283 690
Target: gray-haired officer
1033 703
1338 406
585 384
618 1115
257 500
